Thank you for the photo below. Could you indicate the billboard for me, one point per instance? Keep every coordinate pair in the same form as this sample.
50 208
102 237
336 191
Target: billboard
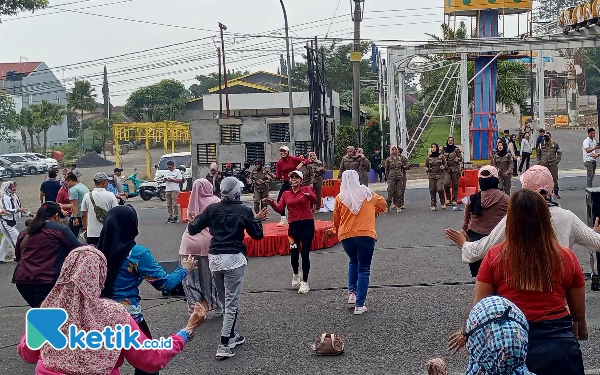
471 7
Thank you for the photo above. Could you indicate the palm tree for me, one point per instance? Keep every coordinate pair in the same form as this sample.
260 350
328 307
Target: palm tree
82 98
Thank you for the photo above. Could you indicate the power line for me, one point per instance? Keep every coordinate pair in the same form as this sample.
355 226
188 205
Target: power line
65 10
332 17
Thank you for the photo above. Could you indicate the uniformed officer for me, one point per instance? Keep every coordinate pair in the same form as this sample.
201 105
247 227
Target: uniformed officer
317 171
306 173
454 160
435 166
395 167
260 178
549 155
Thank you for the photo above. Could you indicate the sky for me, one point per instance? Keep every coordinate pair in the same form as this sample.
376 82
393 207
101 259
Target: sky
76 38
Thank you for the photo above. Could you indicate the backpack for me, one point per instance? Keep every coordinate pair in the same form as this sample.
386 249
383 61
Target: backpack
99 211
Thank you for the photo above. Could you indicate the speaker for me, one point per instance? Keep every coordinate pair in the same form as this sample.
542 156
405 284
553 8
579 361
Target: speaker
592 199
171 266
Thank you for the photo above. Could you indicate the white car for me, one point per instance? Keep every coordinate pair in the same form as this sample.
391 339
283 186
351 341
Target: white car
50 163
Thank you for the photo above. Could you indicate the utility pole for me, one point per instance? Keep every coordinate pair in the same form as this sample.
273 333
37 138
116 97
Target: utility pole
222 28
356 57
220 78
289 77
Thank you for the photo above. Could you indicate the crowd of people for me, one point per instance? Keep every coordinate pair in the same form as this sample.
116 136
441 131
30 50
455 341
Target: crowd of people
528 313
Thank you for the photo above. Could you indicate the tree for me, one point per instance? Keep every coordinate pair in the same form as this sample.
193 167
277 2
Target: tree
72 124
207 82
9 119
591 65
10 8
159 102
24 126
371 136
82 98
549 10
345 136
44 116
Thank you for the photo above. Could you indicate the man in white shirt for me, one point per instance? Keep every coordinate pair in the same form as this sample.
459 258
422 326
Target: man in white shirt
525 152
589 155
94 207
173 178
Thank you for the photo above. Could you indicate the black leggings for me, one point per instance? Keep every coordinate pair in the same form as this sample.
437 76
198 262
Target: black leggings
144 328
34 294
301 233
472 237
285 186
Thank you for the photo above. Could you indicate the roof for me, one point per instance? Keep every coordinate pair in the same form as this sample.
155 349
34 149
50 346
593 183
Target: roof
25 68
258 72
411 99
243 84
176 154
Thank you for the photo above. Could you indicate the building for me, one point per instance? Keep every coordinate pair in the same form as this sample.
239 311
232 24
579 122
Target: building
31 83
257 127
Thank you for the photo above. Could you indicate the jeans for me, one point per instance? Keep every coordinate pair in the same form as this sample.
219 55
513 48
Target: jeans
229 285
172 203
360 251
591 172
525 159
302 233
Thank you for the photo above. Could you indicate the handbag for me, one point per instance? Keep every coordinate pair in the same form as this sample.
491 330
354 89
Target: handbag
99 211
328 344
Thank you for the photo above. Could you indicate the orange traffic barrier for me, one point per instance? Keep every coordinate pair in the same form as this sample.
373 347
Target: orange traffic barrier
468 184
331 188
183 200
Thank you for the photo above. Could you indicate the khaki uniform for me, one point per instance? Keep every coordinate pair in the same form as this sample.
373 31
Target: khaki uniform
549 155
261 191
435 174
504 165
452 174
306 175
317 171
350 163
363 170
395 172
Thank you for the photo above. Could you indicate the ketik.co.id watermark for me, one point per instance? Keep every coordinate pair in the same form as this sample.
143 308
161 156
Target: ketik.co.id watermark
44 326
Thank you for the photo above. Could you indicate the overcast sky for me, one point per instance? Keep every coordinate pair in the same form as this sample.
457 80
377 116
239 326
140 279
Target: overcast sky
72 42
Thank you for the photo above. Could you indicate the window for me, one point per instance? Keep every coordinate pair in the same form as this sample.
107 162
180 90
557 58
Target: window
231 134
206 153
179 160
255 150
279 132
302 147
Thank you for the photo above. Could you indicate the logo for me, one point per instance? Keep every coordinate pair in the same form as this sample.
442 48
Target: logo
44 325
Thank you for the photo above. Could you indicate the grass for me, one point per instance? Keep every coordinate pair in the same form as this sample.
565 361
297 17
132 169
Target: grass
436 132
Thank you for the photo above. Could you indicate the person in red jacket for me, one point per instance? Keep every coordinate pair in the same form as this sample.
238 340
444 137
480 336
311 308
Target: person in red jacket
299 201
284 166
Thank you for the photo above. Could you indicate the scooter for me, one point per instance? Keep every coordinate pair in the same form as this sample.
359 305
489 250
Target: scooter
151 189
136 184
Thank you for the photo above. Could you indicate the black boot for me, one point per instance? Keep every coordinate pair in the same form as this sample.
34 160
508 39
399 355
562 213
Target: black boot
556 194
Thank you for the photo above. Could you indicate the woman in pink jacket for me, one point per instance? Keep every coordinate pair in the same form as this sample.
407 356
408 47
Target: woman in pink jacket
199 285
77 291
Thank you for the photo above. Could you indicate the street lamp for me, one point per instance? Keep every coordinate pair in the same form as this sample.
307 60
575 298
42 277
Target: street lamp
289 74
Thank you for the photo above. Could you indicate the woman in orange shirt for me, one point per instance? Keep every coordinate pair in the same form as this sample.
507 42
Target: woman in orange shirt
354 212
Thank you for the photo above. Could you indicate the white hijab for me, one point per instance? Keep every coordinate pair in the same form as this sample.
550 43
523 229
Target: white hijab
352 193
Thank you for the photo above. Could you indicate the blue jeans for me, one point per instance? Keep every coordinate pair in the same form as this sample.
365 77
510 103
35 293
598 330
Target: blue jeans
360 251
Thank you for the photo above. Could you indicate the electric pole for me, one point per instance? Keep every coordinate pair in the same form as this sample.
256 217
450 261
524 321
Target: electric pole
220 88
356 57
222 28
289 78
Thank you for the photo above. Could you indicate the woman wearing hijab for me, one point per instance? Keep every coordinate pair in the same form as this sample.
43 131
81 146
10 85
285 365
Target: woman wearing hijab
435 166
514 150
298 201
502 159
453 158
64 201
77 291
129 264
318 170
199 285
215 177
228 221
354 212
11 211
484 210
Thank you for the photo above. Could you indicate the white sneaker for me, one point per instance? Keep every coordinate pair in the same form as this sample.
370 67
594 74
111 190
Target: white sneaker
398 210
282 222
433 208
443 206
304 288
351 299
360 310
296 280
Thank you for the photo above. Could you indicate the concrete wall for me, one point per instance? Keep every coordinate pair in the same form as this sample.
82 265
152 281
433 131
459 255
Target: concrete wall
585 102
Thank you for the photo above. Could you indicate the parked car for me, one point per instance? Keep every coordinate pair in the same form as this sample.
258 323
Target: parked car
12 169
31 166
50 163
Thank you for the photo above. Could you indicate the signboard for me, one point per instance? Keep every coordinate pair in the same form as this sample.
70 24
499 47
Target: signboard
471 7
561 120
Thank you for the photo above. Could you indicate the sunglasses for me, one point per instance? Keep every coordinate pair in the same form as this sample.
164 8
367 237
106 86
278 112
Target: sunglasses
502 318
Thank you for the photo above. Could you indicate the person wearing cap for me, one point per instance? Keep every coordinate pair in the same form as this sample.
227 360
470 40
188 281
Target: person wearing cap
569 229
228 221
94 207
590 154
118 182
549 155
484 209
502 160
215 177
77 191
40 251
395 169
299 201
284 166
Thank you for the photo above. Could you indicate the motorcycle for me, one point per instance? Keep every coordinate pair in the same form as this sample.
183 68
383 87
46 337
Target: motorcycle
136 184
151 189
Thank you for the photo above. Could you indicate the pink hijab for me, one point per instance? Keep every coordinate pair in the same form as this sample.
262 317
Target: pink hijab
77 290
202 196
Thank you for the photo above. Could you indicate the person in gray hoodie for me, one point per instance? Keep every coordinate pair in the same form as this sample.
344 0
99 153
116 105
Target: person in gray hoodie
485 209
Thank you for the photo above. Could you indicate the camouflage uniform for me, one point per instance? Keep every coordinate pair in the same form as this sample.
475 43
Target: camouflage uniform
452 174
350 163
435 174
363 170
504 165
395 172
261 191
549 155
317 171
306 175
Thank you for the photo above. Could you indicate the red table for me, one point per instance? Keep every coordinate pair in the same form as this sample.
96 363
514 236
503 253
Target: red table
276 240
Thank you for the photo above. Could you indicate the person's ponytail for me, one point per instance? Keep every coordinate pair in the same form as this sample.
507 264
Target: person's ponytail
38 221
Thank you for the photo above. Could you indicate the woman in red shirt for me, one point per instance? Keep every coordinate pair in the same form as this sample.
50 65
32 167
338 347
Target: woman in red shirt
531 270
299 201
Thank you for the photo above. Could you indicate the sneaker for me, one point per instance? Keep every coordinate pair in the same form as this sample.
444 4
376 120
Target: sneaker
595 283
433 208
175 220
169 220
360 310
304 288
454 203
398 210
351 298
443 206
402 207
296 281
224 352
236 340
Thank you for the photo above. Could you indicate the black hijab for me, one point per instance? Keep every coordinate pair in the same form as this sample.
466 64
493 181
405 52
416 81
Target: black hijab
436 153
504 150
116 241
449 148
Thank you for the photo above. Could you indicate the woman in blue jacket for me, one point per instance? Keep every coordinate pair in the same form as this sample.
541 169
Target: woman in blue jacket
129 264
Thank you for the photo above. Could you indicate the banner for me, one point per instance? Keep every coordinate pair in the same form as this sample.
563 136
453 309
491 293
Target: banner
470 7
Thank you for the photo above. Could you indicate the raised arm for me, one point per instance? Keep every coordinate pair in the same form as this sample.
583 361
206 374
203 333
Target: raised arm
200 223
254 226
